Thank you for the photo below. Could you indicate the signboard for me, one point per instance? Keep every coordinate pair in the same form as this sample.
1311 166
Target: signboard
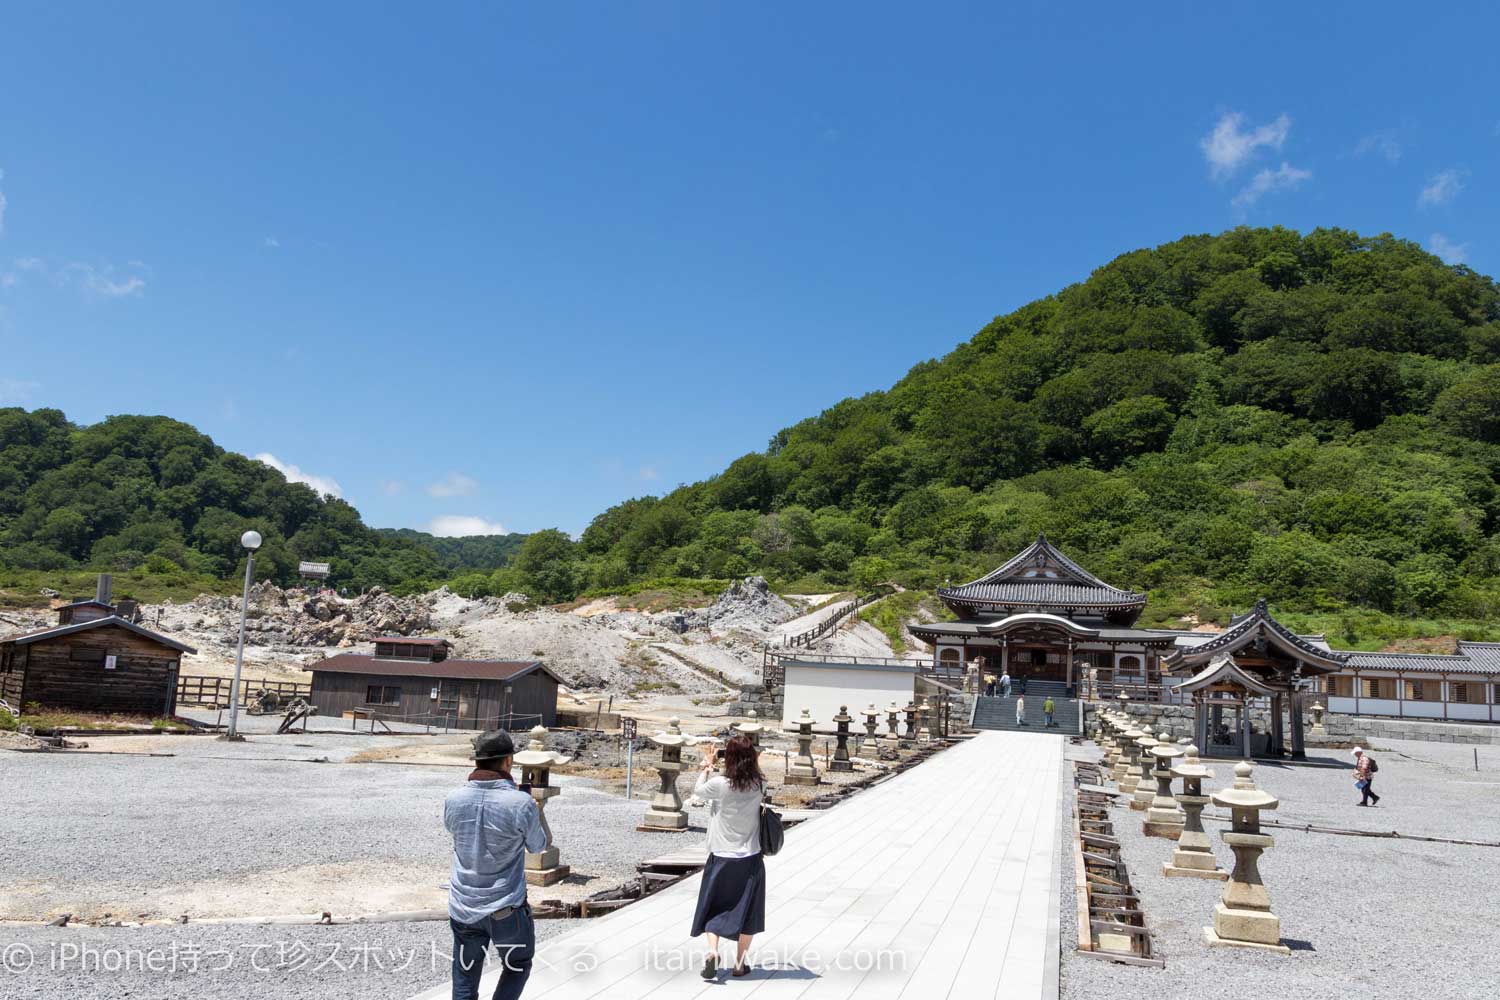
627 728
312 569
434 694
109 662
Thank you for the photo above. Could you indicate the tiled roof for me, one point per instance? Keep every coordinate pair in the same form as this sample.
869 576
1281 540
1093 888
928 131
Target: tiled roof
1450 663
1485 655
1243 629
1041 576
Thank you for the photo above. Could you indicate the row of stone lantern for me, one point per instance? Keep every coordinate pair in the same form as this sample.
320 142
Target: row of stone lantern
1243 917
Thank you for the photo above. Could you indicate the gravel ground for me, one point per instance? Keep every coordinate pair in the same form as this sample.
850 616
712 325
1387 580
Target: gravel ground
1370 918
232 962
258 828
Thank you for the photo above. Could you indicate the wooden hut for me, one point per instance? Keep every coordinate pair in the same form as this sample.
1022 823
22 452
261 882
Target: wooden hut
415 680
92 662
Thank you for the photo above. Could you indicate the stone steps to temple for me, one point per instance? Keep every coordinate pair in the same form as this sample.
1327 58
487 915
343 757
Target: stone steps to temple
1000 713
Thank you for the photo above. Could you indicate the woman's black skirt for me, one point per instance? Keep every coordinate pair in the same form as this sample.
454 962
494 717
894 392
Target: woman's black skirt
732 897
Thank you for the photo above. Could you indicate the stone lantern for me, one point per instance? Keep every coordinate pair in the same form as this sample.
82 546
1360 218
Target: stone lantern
1318 731
909 740
752 729
536 763
1124 744
1243 917
924 723
1131 759
841 761
1165 817
892 722
666 813
1194 856
804 770
1144 791
869 746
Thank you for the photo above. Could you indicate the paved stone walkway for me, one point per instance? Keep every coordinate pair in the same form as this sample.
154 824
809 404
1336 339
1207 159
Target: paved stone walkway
938 883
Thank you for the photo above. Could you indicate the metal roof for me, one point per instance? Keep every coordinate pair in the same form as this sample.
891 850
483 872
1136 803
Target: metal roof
1041 576
26 638
414 640
452 669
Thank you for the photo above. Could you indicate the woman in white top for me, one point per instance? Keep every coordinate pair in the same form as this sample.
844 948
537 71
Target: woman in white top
732 894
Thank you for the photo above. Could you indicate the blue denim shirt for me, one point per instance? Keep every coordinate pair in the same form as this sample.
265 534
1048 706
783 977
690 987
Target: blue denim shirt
493 824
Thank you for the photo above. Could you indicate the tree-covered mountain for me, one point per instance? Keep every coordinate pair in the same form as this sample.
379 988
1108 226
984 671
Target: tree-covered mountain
153 496
1315 419
1311 418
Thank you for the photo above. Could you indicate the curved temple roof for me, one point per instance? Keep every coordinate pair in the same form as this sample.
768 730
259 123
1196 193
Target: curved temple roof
1255 624
1040 576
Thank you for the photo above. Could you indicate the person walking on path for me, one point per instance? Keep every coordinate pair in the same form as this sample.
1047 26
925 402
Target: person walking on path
493 824
1364 777
1047 709
1005 684
732 892
1020 710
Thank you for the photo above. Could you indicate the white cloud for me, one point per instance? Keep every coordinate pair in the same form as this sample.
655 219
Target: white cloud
16 391
1451 252
320 484
1442 187
647 473
1383 143
391 487
2 206
455 484
272 242
1230 145
1283 178
104 281
459 525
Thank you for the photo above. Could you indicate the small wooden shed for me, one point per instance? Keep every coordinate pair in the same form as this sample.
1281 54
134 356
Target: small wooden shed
414 680
92 663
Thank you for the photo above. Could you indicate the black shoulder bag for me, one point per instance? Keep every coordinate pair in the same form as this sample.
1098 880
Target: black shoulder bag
772 833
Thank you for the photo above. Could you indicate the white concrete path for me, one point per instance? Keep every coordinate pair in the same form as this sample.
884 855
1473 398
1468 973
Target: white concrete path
938 883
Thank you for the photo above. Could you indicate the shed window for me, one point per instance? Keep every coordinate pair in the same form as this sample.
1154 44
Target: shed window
1466 692
383 694
1377 687
1341 686
1424 691
84 654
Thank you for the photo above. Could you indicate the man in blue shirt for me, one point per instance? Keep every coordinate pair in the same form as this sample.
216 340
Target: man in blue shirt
493 824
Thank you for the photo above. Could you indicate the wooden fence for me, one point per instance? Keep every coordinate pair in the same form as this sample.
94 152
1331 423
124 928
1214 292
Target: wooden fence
214 691
832 621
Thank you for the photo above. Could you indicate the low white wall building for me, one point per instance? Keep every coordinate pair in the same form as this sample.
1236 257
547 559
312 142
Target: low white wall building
822 687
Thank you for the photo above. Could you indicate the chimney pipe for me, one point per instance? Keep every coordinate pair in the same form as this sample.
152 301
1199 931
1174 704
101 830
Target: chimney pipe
102 591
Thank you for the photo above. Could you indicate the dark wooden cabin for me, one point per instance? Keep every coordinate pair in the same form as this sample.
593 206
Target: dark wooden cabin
415 680
93 663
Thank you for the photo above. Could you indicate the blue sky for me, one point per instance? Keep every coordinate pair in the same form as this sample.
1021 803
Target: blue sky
508 264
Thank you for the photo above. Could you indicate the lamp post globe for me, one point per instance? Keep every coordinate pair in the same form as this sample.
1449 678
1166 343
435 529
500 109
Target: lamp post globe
251 541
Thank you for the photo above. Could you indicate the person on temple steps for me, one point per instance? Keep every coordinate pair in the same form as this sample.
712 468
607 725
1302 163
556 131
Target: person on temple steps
1364 777
493 824
732 892
1020 710
1048 707
1005 684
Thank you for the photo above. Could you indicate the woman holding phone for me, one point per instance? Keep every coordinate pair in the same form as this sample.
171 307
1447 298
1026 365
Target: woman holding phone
732 894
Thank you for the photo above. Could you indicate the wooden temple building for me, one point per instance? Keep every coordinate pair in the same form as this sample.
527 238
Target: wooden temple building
1042 617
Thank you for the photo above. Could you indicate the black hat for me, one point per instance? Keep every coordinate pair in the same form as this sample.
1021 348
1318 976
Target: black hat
493 745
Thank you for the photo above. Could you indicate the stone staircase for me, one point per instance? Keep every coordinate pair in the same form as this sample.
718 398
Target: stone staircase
1000 713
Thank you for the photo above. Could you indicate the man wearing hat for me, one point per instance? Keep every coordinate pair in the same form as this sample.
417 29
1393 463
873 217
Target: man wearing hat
493 824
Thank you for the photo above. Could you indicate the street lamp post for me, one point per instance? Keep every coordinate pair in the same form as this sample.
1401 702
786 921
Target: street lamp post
251 541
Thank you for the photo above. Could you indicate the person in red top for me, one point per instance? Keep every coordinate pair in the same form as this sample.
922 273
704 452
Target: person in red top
1364 775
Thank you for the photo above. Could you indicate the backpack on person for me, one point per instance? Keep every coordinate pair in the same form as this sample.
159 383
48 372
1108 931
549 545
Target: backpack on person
1374 764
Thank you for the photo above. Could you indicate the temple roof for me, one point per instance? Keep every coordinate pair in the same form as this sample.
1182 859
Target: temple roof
1254 626
1222 669
1041 577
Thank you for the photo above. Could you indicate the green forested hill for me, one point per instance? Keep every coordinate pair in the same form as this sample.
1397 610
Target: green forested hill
153 498
1315 419
1312 418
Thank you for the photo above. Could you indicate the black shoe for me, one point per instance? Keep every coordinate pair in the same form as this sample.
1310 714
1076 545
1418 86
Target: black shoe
711 967
741 970
1361 803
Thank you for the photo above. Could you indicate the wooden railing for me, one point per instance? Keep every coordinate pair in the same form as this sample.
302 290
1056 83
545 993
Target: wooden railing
215 691
830 623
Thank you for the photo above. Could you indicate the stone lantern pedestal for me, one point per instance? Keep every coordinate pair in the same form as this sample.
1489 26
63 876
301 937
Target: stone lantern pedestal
1164 817
536 763
869 746
924 721
1132 758
1243 918
892 722
1317 731
1144 791
1194 856
1123 747
666 814
910 739
841 761
804 770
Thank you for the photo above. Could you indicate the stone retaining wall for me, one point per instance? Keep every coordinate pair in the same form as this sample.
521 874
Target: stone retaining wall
1178 721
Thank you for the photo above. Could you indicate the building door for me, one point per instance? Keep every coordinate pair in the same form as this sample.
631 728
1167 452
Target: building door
459 701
